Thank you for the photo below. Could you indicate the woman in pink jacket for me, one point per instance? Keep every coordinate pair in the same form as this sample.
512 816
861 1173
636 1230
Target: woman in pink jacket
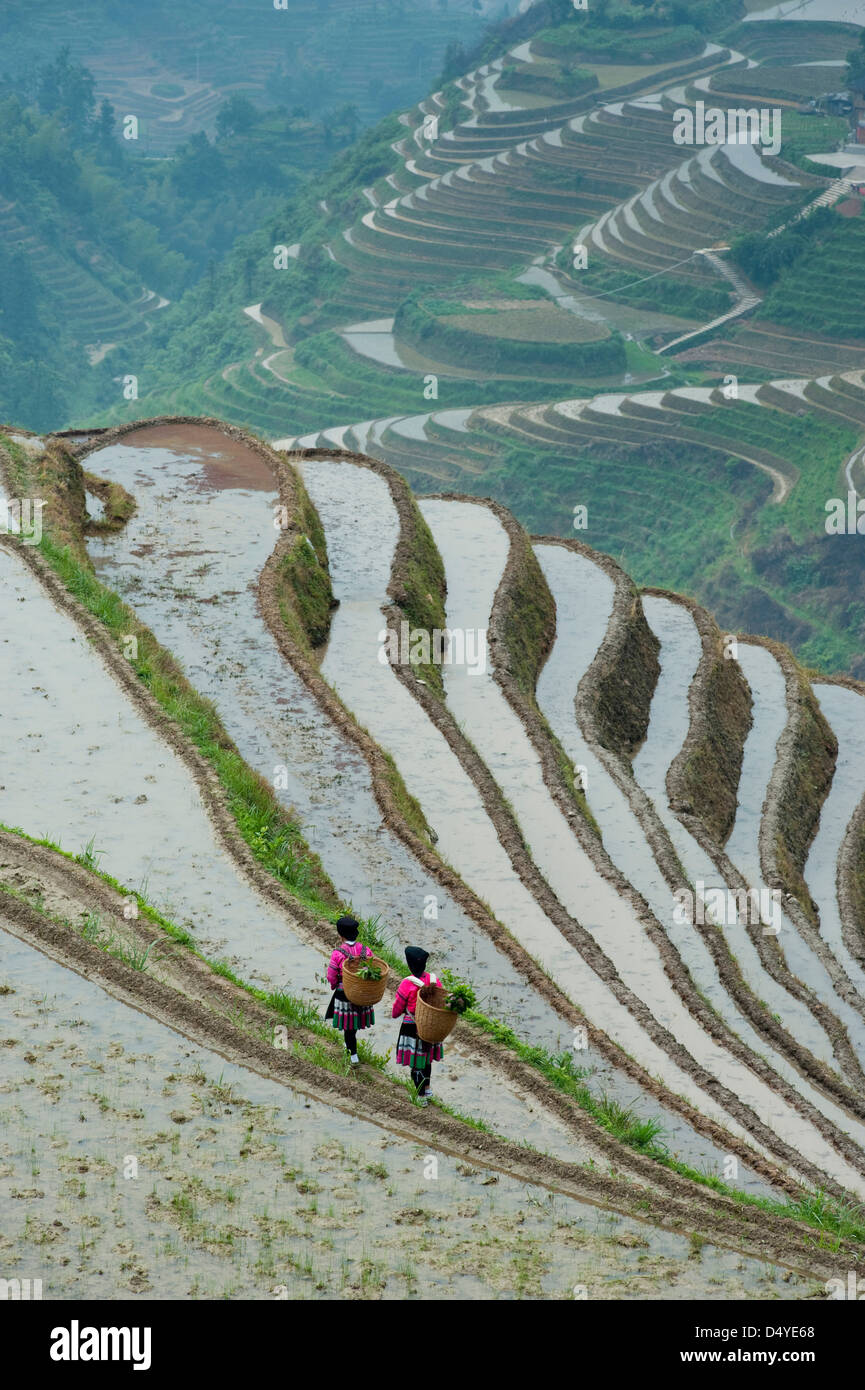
347 1016
412 1051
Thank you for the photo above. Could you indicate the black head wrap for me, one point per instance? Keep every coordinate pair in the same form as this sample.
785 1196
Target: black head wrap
416 959
348 928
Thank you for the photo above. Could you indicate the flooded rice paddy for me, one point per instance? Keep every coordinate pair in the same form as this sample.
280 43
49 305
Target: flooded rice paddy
134 1163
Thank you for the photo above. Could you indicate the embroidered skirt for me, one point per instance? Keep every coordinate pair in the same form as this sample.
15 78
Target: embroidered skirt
347 1016
412 1051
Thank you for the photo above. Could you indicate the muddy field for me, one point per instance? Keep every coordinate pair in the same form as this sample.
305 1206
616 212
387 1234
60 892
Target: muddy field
132 1162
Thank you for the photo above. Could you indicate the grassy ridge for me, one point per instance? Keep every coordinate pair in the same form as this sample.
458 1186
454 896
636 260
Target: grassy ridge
303 580
417 325
824 291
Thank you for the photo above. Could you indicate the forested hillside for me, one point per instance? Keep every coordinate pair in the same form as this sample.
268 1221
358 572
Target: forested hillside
176 64
99 231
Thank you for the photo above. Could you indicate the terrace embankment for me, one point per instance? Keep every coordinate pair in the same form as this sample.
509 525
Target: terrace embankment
173 716
53 474
260 955
683 860
843 705
302 584
703 781
522 632
851 884
453 337
638 845
615 695
201 542
117 504
801 779
799 785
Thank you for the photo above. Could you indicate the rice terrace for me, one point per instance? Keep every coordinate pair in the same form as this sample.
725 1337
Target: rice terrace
432 661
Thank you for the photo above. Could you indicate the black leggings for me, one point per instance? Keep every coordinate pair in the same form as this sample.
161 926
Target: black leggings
421 1078
350 1041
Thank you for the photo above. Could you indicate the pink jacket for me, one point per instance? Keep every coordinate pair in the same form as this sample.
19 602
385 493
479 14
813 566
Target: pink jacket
406 995
348 948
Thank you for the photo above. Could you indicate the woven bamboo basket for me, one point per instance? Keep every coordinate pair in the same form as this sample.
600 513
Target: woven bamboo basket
434 1023
359 991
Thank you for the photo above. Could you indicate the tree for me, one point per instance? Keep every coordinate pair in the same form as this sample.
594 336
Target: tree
236 116
199 169
105 124
66 89
348 117
455 62
856 60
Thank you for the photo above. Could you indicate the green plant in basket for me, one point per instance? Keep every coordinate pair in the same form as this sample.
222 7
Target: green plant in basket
458 995
369 971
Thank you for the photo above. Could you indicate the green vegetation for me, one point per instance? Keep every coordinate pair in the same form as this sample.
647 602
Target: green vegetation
418 324
822 291
325 52
669 294
763 258
368 971
778 565
459 996
558 85
804 135
806 443
89 219
856 60
303 580
420 588
601 44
